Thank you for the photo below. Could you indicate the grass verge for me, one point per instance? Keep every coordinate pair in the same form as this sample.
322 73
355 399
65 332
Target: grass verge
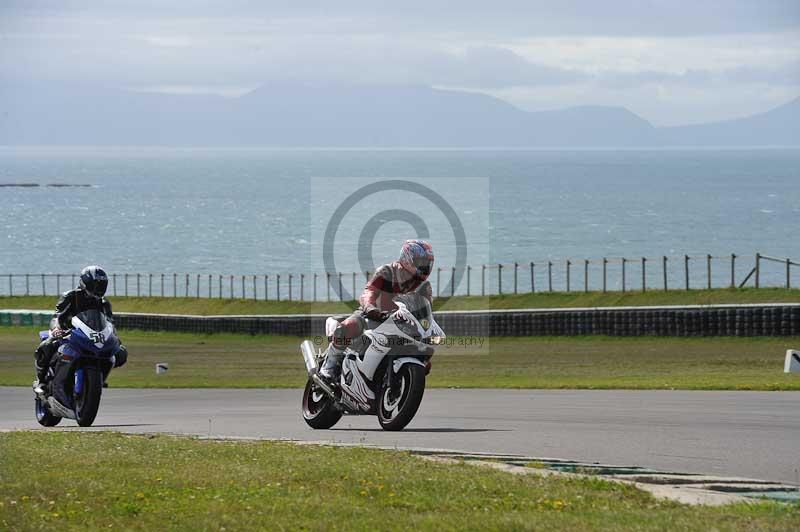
167 483
590 362
207 307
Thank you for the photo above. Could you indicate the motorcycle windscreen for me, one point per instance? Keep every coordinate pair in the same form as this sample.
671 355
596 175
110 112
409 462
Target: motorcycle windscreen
94 319
418 305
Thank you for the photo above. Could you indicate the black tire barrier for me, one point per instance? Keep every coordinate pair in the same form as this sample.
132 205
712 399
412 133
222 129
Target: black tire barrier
690 321
746 320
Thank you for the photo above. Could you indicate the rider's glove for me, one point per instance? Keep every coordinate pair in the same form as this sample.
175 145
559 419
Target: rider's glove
58 333
374 313
121 356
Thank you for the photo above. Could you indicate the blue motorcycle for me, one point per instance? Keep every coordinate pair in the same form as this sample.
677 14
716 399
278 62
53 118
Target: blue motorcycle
78 371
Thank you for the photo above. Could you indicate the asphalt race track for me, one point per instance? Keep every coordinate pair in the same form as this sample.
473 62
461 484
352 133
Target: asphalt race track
749 434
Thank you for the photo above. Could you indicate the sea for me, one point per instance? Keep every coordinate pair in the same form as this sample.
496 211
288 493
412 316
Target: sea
261 212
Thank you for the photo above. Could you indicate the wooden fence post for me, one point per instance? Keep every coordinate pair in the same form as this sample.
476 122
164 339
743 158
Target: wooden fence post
686 270
162 285
664 271
500 279
277 287
733 270
516 268
438 281
302 286
644 274
197 288
533 280
758 270
290 287
126 285
255 288
231 294
708 271
315 287
266 287
586 275
568 276
341 295
788 272
605 268
483 279
550 275
624 260
44 286
328 284
469 275
453 282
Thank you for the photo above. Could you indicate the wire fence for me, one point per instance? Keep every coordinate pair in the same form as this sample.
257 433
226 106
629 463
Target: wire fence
608 274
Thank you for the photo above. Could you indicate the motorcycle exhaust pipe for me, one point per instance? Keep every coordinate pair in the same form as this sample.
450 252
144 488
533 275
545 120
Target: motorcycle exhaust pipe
309 357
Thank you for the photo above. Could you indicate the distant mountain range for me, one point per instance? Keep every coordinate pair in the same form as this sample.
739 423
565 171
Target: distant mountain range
351 116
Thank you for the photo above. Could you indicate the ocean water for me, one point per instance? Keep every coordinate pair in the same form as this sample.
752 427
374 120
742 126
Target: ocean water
256 212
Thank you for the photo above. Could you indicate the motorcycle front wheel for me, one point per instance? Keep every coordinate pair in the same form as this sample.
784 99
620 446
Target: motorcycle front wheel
318 408
399 403
87 401
43 416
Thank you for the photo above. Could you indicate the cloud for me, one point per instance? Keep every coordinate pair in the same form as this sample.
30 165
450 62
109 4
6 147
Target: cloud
173 41
743 54
495 67
504 18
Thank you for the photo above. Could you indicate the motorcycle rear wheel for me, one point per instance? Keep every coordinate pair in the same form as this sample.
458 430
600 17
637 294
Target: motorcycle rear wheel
43 416
319 412
396 408
88 402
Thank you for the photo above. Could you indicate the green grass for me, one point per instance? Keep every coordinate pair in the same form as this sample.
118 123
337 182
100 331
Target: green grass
591 362
115 481
208 307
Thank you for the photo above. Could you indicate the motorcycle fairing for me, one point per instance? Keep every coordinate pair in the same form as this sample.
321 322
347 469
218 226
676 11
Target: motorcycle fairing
359 368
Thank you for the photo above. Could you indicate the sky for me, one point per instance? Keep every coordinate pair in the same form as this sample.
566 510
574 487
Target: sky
670 61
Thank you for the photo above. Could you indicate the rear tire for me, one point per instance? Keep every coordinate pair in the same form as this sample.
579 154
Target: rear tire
88 402
318 408
395 412
43 416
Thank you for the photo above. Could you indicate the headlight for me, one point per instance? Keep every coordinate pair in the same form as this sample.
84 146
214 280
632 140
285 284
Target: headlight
436 340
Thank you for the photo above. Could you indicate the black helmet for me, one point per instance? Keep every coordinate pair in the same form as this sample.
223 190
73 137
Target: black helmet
94 281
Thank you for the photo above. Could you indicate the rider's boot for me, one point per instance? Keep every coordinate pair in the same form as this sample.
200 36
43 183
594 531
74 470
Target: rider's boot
333 363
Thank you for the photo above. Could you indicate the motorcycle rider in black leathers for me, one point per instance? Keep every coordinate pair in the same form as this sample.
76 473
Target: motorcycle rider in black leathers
89 295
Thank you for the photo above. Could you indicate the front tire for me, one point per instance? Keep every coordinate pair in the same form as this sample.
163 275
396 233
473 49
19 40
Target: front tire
88 402
396 408
43 416
318 408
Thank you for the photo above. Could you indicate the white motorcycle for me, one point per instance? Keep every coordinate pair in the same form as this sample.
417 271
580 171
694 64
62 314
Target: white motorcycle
383 372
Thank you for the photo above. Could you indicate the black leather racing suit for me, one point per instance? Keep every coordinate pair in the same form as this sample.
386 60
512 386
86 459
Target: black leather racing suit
69 305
